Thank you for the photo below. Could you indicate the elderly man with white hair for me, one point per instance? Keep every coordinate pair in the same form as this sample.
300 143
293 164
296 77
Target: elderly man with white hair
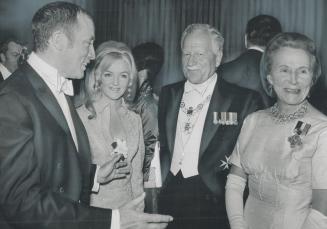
199 121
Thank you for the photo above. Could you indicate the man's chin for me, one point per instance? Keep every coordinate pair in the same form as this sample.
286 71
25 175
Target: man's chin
77 76
193 78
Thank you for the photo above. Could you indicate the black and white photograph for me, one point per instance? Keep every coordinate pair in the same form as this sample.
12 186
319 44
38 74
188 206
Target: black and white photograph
154 114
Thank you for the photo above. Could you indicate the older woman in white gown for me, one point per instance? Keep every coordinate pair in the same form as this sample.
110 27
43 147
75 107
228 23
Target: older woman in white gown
282 151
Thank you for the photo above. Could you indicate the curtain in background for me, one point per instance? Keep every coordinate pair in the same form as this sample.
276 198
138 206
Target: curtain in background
16 17
162 21
323 38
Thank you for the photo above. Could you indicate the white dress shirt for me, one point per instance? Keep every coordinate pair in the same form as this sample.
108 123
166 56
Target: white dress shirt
256 48
4 71
187 143
60 86
57 85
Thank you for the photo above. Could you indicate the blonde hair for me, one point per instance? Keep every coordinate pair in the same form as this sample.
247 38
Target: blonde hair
115 50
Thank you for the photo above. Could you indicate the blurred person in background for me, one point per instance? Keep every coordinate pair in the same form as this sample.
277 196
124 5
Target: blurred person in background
10 52
149 59
244 71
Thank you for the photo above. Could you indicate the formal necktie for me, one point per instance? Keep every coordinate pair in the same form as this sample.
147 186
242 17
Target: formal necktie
65 85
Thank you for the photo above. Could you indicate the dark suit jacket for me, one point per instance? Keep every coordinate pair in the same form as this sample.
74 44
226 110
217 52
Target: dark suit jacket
217 140
45 182
244 71
1 78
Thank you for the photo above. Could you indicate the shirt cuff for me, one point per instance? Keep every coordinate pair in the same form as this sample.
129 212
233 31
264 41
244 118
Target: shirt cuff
96 184
115 219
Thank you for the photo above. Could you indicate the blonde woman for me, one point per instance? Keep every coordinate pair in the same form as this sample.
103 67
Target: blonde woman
110 126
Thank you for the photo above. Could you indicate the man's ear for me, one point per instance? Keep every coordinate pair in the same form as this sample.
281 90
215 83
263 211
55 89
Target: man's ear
269 79
59 40
219 56
246 41
3 57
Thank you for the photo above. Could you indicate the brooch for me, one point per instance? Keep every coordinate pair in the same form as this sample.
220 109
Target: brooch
120 146
225 118
301 129
225 163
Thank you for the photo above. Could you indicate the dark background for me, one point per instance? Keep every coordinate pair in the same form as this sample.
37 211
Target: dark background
162 21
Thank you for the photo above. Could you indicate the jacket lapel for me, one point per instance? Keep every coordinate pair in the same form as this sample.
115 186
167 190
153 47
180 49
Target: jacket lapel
1 77
45 95
172 115
218 103
81 135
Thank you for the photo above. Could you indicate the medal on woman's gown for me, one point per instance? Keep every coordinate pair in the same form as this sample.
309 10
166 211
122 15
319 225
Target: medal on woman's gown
301 129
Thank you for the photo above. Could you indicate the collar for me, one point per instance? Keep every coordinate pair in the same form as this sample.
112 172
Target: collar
103 103
50 75
256 48
199 88
4 71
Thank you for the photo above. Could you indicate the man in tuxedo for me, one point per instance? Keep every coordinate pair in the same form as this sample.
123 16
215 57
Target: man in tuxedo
10 52
244 71
45 163
199 122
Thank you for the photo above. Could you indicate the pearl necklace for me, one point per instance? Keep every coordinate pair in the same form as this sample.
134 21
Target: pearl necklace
280 117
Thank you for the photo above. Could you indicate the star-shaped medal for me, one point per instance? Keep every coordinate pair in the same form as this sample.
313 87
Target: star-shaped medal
225 164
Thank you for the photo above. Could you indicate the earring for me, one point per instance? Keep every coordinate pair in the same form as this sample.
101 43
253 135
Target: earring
270 89
97 85
129 92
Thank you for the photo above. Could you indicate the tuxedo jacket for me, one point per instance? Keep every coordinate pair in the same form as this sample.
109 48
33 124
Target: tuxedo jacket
244 71
1 77
45 181
217 140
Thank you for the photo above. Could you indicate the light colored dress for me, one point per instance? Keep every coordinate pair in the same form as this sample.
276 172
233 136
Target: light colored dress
117 192
281 178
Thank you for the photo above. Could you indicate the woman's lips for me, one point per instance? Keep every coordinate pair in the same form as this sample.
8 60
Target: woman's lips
292 91
115 89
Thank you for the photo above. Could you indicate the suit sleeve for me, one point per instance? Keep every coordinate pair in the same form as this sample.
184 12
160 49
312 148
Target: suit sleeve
150 132
25 202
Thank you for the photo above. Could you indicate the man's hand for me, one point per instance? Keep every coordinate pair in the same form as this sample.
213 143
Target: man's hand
113 169
131 218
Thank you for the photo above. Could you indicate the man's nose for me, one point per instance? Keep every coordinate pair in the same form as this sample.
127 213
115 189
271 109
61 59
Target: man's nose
91 53
192 60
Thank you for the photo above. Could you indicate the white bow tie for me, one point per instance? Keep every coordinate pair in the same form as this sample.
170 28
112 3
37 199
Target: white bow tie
65 85
189 87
